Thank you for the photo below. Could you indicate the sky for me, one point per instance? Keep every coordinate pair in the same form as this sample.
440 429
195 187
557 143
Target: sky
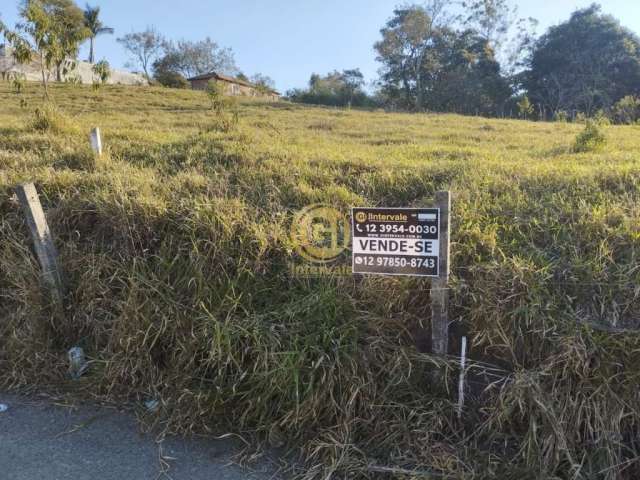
289 40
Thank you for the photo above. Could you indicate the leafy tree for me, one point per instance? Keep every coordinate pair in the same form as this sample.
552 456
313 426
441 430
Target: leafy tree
353 82
102 70
525 108
406 46
195 58
468 78
492 19
95 26
585 64
144 47
335 89
429 64
51 30
627 110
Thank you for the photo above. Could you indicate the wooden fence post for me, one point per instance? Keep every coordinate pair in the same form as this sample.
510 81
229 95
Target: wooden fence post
42 240
439 285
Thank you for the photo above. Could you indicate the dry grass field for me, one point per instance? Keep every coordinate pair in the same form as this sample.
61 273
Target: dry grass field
175 249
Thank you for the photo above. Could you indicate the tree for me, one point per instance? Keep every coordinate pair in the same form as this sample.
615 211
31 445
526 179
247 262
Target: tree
52 30
405 48
429 64
492 19
335 89
103 70
520 46
262 82
195 58
525 108
627 110
144 47
95 26
585 64
353 82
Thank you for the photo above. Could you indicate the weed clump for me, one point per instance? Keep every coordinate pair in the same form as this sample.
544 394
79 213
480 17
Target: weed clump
225 107
49 118
591 139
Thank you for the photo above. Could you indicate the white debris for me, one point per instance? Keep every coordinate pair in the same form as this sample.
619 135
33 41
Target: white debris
152 405
3 407
77 362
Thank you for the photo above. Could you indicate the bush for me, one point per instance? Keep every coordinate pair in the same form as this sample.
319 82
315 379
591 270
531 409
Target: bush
49 119
171 80
18 84
103 71
525 107
74 79
627 110
223 105
561 116
591 139
601 118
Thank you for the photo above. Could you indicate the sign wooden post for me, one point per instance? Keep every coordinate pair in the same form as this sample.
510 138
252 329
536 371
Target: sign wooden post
412 242
42 240
396 241
439 285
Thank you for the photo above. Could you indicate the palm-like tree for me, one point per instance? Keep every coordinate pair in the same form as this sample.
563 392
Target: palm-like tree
95 26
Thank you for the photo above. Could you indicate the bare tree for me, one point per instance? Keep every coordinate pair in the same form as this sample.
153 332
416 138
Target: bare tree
144 47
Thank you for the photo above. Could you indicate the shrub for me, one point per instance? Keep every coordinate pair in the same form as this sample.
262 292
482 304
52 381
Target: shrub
225 106
525 107
103 71
74 79
18 83
581 118
215 92
561 116
49 119
601 118
590 139
171 80
627 110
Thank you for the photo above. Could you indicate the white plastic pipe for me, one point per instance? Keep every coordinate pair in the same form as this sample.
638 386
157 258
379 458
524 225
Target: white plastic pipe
463 359
96 141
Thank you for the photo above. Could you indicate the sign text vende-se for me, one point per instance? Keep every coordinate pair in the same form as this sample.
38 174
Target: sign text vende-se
396 241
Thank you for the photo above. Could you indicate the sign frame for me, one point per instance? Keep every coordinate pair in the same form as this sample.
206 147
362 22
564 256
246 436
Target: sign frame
439 290
437 241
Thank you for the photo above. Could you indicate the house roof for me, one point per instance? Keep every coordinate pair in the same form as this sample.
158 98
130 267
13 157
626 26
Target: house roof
225 78
219 76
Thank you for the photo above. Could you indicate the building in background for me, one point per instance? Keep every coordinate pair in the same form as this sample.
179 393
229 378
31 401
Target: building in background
233 86
78 72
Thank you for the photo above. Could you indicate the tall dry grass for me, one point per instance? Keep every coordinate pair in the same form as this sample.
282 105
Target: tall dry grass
175 248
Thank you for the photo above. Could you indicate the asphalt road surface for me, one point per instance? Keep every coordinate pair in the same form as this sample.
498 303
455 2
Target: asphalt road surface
40 440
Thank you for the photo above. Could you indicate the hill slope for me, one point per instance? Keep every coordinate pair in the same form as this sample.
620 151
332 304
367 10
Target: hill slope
175 247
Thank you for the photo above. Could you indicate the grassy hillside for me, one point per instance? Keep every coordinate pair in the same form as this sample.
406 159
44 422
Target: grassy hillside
175 248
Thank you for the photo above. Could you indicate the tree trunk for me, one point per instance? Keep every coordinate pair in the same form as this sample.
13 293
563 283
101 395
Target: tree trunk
44 77
91 50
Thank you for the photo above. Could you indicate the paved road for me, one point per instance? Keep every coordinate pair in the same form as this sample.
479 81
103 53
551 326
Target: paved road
39 440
